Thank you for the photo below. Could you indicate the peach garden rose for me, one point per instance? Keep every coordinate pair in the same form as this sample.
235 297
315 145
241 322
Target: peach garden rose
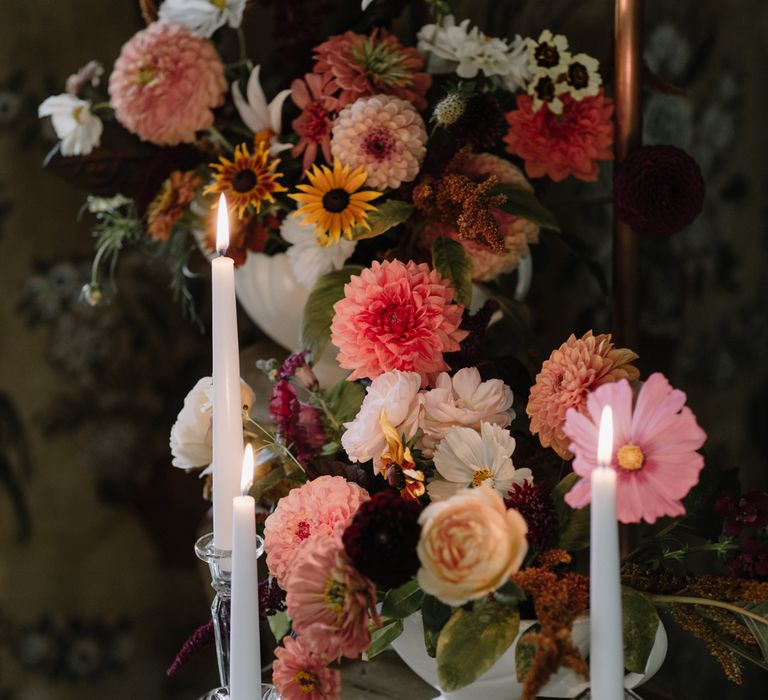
470 545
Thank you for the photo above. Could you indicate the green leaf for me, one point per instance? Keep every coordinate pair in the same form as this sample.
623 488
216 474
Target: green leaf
473 640
403 601
758 629
387 215
318 311
524 204
383 636
280 624
344 399
268 481
640 621
573 525
510 594
434 615
525 652
452 262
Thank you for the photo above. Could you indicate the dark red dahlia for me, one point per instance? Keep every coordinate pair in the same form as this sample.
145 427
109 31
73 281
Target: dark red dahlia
482 124
381 539
752 561
658 190
535 505
748 510
271 598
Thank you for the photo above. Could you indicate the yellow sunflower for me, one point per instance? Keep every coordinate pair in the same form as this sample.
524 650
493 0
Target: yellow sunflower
247 180
333 201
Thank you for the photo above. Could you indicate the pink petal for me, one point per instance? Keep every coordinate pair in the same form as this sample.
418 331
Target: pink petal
580 495
678 433
656 401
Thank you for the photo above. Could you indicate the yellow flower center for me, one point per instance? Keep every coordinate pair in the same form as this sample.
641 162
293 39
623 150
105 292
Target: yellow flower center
630 457
480 476
221 4
146 75
334 594
76 112
307 681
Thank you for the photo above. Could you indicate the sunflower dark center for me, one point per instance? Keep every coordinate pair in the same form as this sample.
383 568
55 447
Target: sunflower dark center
244 180
336 200
578 75
545 89
547 56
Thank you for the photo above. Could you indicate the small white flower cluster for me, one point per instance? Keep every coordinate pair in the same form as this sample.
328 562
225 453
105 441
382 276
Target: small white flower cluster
555 72
451 47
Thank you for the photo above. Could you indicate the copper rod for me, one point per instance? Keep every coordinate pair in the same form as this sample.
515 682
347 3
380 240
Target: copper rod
628 64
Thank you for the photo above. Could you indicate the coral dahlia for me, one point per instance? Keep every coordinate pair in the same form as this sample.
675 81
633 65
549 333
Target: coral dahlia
298 674
165 83
313 125
559 145
396 316
385 136
358 66
577 367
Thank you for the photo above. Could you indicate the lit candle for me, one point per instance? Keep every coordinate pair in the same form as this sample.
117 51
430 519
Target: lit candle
227 410
606 654
244 651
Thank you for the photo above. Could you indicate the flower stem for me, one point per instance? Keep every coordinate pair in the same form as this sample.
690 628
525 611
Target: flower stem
689 600
241 43
218 136
101 105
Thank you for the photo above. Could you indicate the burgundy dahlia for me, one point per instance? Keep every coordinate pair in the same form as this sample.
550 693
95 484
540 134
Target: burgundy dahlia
752 561
482 124
381 539
748 510
535 505
658 190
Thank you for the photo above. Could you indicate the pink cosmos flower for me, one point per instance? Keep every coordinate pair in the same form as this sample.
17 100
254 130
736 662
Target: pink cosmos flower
329 601
313 125
396 316
319 509
165 83
654 448
298 674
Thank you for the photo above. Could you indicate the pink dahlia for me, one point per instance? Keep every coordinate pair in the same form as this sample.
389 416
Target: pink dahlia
518 233
313 125
385 135
654 448
358 66
319 509
577 367
329 601
396 316
165 83
559 145
298 674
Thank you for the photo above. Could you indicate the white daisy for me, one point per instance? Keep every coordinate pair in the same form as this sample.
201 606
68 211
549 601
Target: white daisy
74 123
203 17
548 55
257 114
466 458
309 260
583 76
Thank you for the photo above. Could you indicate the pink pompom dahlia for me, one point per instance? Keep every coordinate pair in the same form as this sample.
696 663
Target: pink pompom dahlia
654 448
559 145
396 316
321 508
577 367
165 83
298 674
385 136
358 66
330 604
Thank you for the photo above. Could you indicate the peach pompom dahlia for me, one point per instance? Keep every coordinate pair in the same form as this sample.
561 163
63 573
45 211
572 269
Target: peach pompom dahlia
577 367
396 316
165 83
385 136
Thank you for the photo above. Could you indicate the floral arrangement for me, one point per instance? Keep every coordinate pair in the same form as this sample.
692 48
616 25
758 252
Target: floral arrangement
397 179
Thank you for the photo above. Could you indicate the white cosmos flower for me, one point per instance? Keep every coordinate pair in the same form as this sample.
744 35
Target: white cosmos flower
466 458
257 114
309 260
203 17
74 123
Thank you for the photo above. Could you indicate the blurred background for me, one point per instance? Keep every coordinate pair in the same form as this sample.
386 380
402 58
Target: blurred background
98 581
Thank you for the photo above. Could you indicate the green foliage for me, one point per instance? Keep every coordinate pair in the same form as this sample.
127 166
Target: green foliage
383 636
525 652
640 622
434 615
522 203
343 400
573 525
402 601
452 262
280 624
387 215
758 629
473 640
318 312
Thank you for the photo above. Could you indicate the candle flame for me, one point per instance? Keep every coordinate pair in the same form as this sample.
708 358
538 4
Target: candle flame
247 478
222 226
605 438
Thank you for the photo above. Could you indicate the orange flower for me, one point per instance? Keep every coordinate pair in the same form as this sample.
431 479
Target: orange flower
397 465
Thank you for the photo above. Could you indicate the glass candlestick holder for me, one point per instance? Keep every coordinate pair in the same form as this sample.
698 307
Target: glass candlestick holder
220 565
268 692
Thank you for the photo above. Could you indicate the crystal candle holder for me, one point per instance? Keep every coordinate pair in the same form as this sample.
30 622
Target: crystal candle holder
268 692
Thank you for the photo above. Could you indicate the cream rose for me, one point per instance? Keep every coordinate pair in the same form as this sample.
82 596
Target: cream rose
469 546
